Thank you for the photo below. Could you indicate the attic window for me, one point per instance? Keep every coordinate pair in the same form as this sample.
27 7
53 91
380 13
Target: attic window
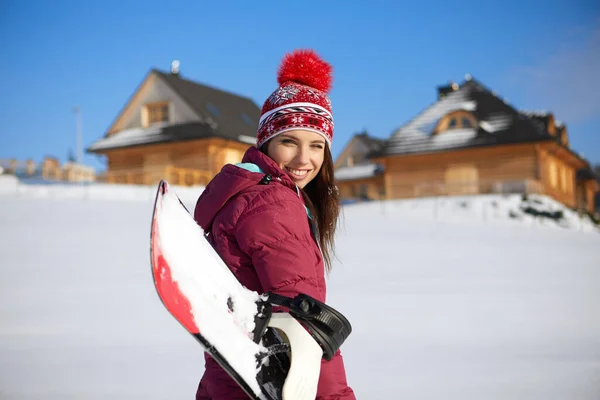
247 119
456 120
564 139
213 109
156 113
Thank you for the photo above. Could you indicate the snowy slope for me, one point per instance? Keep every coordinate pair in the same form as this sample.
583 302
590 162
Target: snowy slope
447 299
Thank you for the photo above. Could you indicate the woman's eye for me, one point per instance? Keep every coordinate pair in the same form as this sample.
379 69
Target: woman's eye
287 141
317 146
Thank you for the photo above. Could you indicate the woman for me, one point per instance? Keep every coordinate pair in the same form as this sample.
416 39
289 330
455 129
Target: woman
273 217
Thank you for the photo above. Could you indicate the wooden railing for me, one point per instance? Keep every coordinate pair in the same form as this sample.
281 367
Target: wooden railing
175 176
425 189
187 177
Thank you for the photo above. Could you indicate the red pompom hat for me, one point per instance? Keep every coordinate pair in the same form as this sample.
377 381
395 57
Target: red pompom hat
301 101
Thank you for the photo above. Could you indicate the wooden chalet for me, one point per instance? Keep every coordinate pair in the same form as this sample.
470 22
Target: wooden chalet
470 141
176 129
358 177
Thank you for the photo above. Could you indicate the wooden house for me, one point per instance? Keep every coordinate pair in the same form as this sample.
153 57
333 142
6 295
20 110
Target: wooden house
357 177
176 129
470 141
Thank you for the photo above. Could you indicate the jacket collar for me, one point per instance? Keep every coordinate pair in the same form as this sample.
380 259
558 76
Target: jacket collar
268 166
232 180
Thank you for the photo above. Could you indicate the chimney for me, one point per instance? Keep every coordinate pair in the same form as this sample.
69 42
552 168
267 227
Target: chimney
175 67
449 88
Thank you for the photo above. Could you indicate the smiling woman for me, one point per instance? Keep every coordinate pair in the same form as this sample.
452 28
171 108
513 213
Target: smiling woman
273 217
299 153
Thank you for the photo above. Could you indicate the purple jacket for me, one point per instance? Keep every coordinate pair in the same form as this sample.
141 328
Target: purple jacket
263 233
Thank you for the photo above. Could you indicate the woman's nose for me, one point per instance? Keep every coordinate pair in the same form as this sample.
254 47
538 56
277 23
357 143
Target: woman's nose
303 155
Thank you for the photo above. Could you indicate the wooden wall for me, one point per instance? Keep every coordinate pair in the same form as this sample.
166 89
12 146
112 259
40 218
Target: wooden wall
428 174
547 168
372 188
148 163
558 173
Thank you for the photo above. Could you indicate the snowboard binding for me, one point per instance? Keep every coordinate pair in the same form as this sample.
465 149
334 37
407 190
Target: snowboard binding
296 341
328 327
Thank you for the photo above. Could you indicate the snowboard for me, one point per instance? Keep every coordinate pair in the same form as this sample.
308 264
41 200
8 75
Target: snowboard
233 325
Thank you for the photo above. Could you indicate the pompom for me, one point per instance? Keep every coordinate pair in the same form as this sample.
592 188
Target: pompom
307 68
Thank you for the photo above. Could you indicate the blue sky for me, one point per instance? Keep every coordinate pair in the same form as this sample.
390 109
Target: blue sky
388 58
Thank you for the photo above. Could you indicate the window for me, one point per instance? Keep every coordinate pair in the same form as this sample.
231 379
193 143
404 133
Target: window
213 109
156 113
461 179
350 161
248 120
565 179
460 119
564 139
553 174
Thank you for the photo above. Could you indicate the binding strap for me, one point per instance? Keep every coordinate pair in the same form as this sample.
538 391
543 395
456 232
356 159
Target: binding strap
326 325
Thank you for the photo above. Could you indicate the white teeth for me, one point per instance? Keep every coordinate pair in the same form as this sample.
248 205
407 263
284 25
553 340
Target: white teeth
297 171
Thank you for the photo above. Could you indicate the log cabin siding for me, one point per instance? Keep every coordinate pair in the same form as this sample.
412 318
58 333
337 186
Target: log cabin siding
371 188
199 158
421 175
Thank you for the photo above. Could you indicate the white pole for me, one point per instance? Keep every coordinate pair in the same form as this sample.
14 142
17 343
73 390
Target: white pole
78 142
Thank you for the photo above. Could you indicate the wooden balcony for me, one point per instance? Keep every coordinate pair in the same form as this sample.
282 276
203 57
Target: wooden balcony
175 176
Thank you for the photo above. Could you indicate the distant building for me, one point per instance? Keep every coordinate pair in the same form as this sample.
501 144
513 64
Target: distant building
176 129
49 170
357 176
470 141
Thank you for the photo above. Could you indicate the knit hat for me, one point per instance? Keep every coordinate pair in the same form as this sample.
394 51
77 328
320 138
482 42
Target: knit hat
301 101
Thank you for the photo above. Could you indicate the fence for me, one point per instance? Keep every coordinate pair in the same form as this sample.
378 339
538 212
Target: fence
427 189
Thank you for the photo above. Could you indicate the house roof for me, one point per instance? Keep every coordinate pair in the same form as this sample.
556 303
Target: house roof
498 123
361 171
157 133
222 114
233 115
371 143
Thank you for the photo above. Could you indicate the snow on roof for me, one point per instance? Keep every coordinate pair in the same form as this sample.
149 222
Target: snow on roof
130 137
453 136
247 139
356 172
423 124
497 122
536 113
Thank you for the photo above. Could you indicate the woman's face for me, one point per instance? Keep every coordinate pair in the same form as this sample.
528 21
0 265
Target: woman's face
299 153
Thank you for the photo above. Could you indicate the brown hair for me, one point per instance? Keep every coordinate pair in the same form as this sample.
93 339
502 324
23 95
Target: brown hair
322 198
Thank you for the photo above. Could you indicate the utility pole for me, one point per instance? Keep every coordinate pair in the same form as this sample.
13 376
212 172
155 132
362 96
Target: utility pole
79 140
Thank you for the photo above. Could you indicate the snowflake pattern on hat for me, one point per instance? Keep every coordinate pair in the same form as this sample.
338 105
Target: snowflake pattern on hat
282 95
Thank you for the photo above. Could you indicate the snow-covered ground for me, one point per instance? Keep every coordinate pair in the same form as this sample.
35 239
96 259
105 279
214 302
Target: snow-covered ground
449 299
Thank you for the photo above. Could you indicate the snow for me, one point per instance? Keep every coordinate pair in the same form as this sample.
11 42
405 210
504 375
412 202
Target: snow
495 123
130 137
247 139
423 124
453 136
356 172
448 298
417 133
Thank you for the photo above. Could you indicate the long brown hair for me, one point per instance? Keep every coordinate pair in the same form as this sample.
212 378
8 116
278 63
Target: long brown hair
322 198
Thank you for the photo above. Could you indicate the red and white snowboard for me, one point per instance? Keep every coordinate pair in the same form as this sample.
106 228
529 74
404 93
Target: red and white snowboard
198 289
